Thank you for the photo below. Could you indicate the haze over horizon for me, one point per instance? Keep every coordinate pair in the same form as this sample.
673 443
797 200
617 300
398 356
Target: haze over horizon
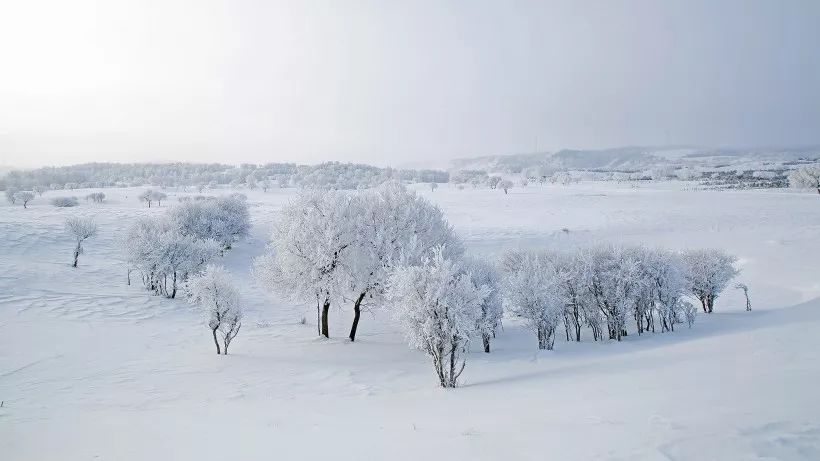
399 83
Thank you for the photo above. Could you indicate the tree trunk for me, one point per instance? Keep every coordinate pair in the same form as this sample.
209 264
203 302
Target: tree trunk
703 303
325 309
486 338
216 342
76 255
174 294
357 310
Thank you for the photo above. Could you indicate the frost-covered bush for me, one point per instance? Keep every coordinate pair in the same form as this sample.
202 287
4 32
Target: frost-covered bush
438 306
80 229
219 299
708 272
64 202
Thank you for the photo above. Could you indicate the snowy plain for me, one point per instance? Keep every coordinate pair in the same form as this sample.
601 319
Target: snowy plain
91 368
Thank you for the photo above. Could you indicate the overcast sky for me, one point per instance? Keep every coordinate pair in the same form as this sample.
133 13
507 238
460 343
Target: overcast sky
398 82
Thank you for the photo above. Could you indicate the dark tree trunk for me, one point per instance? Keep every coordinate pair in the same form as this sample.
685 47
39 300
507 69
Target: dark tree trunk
486 338
218 351
76 255
703 303
325 309
174 295
357 311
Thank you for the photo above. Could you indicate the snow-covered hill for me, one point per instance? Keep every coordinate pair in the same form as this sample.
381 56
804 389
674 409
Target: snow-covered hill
636 159
91 368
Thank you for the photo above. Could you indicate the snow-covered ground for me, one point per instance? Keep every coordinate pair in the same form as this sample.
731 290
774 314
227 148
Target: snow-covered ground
91 368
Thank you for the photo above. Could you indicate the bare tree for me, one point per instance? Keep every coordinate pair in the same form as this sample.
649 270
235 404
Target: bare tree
81 229
745 288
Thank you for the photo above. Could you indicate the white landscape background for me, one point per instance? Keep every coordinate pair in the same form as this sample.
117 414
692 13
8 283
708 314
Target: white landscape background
95 368
409 230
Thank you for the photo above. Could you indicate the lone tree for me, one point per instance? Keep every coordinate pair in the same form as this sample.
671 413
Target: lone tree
23 197
745 288
505 185
214 291
81 229
707 274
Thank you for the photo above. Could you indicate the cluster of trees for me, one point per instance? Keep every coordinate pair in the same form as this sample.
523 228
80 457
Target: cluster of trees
389 247
167 249
96 197
150 196
332 247
602 287
184 175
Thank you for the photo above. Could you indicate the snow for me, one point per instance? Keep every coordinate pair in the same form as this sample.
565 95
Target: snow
91 368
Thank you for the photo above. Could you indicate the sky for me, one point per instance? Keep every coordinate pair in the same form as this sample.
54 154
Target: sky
399 82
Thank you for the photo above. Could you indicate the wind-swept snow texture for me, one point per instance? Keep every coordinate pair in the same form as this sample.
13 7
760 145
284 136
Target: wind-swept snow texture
91 368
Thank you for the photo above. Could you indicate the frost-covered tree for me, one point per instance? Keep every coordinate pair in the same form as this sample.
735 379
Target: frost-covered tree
707 274
611 274
309 247
573 294
214 291
493 181
437 306
23 197
483 273
663 274
250 182
505 185
81 229
807 177
433 186
531 292
264 185
392 226
690 312
40 190
10 194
